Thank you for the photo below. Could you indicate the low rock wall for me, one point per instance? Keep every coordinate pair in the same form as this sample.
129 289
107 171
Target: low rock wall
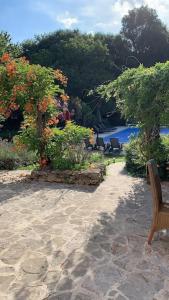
91 176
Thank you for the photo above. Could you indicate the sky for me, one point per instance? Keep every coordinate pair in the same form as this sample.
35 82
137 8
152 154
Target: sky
25 18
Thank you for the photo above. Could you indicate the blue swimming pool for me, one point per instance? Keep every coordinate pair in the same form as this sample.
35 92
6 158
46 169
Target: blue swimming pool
124 135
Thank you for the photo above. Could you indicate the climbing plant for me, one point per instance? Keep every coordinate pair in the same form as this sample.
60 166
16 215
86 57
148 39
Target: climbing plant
34 90
142 95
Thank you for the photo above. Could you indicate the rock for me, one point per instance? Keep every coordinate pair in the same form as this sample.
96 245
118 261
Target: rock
92 176
82 296
161 295
5 282
64 296
30 293
65 284
51 280
81 268
112 293
120 297
118 249
137 286
35 263
13 254
102 279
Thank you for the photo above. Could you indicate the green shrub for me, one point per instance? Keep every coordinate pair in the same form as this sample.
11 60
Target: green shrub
136 155
67 148
11 158
96 157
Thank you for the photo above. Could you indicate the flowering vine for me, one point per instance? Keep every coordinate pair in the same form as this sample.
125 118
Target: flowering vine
32 89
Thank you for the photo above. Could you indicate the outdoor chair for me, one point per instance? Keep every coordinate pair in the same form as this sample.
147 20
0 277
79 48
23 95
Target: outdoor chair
100 143
160 218
115 145
88 144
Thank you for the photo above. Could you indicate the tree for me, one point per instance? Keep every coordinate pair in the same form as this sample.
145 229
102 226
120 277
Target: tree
142 95
88 61
31 88
6 45
147 35
82 57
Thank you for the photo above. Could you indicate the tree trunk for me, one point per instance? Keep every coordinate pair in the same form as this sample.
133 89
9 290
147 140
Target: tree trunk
40 125
99 116
151 135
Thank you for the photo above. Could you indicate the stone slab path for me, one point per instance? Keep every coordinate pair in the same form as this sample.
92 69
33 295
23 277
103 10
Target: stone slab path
60 242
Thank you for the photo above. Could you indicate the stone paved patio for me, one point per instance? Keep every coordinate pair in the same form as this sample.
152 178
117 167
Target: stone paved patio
61 242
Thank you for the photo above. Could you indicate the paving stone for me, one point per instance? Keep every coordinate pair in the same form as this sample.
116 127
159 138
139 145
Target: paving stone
65 284
13 254
161 295
64 296
82 296
31 293
118 249
106 276
5 281
120 297
51 279
112 293
81 268
63 242
35 263
138 287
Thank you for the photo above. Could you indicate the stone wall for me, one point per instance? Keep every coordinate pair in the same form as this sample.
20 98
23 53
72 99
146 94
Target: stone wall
91 176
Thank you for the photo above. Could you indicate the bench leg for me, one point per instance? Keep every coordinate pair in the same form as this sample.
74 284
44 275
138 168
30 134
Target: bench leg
150 236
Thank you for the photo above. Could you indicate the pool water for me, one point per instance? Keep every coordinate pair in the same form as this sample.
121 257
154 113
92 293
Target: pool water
124 135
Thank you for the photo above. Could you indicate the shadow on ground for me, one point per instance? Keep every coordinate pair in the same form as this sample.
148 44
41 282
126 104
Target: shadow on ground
24 188
112 261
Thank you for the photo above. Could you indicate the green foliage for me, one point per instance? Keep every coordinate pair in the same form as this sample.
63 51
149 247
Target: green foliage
136 160
88 61
142 28
6 45
84 58
142 96
11 158
30 88
96 157
66 147
28 137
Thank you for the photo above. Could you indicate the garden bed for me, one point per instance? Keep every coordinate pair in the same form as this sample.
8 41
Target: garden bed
91 176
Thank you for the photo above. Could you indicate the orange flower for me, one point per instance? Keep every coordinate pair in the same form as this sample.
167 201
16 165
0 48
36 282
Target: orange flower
53 121
11 68
29 107
64 97
7 114
5 57
60 76
43 105
31 76
2 110
24 60
47 133
13 106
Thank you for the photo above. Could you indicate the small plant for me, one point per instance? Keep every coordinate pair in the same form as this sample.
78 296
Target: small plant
12 157
66 148
136 159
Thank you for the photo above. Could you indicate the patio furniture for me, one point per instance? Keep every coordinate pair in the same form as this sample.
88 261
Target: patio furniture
115 145
100 143
160 210
88 144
